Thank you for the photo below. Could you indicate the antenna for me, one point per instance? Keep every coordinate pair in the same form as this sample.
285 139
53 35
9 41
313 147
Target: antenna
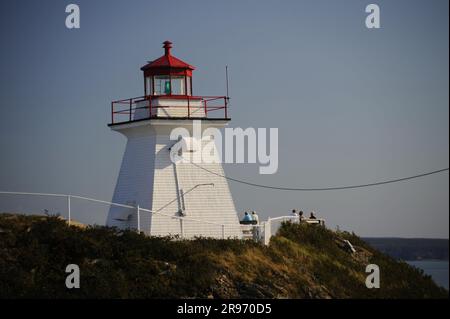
226 78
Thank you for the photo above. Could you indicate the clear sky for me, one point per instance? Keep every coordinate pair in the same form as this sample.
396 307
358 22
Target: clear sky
352 105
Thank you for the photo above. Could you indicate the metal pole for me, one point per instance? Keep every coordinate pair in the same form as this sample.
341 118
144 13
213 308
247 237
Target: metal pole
228 96
223 231
68 207
138 220
226 77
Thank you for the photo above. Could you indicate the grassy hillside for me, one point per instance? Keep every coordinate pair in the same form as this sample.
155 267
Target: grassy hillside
302 261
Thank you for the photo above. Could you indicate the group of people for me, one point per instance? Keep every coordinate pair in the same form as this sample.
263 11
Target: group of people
251 218
299 214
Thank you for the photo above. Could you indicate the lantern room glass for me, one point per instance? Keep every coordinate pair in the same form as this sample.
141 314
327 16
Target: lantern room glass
148 85
162 85
168 85
177 85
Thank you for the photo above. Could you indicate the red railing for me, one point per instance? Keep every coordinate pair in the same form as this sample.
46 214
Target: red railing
124 111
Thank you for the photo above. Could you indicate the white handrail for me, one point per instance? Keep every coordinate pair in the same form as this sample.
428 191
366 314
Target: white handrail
101 201
115 204
284 217
38 194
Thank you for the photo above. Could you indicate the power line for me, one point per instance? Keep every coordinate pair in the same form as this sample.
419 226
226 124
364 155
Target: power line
323 188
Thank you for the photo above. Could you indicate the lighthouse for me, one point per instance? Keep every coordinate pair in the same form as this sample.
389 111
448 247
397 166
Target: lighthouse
186 199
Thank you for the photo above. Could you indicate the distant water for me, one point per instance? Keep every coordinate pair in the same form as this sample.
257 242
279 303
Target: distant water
437 269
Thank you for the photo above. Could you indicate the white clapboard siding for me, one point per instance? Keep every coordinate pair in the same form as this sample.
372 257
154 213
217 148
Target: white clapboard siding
149 178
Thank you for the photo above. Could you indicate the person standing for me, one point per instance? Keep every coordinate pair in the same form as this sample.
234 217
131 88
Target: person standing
247 218
301 217
256 232
255 217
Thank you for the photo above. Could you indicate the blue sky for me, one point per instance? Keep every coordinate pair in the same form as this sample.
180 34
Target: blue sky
352 105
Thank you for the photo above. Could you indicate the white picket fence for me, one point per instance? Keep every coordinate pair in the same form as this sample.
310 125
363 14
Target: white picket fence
261 232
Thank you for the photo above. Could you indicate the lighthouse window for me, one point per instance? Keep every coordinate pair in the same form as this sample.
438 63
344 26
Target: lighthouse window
167 87
162 85
189 85
149 86
178 85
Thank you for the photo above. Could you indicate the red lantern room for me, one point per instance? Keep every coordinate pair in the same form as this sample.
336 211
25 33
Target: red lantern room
167 75
168 95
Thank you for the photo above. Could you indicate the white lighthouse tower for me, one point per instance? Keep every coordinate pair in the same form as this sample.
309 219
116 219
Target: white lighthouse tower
185 199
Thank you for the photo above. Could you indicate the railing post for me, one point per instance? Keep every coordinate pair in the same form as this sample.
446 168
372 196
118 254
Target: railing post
181 228
226 106
68 208
267 231
138 219
223 231
130 109
189 109
112 112
150 107
189 105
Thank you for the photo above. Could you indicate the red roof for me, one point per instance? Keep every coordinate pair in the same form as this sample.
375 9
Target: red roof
167 61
